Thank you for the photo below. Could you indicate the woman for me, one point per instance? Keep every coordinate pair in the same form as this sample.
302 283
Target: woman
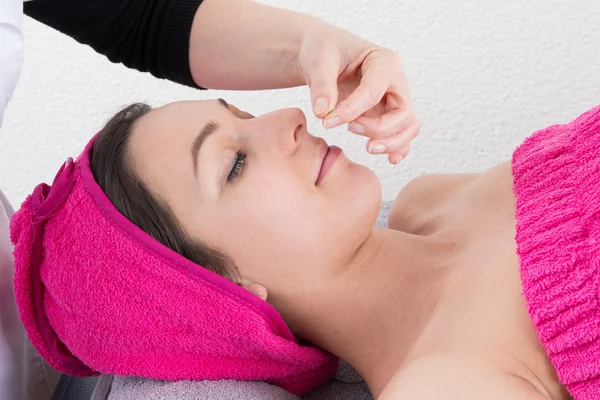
430 307
203 44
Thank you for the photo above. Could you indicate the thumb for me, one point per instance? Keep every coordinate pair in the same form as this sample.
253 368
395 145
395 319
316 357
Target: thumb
321 76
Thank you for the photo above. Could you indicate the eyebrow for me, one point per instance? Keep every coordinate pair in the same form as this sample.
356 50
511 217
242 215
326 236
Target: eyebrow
210 128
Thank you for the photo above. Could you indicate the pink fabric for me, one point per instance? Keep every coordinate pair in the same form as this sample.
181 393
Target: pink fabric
98 295
556 176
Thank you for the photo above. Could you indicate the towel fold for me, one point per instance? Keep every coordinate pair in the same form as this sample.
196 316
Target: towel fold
556 176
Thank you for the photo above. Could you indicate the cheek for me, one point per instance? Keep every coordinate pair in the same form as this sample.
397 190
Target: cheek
281 214
279 227
274 228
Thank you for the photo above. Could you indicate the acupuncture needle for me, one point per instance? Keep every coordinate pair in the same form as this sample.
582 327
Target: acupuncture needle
320 120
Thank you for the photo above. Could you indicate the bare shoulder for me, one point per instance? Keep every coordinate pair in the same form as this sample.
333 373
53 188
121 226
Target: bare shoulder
450 378
418 202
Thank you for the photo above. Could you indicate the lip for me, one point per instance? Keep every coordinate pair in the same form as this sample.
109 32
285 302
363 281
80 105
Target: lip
328 156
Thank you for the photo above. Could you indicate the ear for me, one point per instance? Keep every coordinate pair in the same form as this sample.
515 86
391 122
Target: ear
256 289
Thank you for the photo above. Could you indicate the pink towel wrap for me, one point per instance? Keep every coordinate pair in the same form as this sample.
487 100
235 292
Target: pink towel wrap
556 176
98 295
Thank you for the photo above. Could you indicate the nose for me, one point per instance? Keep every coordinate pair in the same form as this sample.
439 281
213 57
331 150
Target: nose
285 128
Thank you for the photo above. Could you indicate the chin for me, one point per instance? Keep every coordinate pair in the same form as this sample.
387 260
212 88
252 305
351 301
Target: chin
365 191
354 206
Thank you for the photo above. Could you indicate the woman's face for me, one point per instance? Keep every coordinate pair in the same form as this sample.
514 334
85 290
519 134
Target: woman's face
275 199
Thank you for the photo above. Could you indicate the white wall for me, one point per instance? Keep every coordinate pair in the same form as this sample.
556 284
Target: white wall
484 75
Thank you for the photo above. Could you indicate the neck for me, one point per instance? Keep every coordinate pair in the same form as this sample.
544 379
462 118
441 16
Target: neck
371 311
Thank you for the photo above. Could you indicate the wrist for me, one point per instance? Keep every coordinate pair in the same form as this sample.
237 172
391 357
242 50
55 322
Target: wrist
326 39
309 30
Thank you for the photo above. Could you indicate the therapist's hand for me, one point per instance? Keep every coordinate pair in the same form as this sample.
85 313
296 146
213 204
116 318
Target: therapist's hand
246 45
369 83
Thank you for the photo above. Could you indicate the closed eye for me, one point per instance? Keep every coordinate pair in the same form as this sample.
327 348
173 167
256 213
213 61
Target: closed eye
238 166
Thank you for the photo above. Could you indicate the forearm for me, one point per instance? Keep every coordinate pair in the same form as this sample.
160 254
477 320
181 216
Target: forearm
244 45
148 35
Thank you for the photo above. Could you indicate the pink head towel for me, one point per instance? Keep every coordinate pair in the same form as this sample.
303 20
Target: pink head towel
98 295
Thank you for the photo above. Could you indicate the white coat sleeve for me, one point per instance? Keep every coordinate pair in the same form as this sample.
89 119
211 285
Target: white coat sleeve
11 49
12 336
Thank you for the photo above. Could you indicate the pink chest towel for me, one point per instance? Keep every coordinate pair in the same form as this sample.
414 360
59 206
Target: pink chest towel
98 295
556 175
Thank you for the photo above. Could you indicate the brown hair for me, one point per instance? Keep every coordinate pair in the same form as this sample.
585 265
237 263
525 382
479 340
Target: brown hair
112 168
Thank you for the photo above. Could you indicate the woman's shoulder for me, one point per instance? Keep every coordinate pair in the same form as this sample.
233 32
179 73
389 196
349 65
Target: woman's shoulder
422 199
453 377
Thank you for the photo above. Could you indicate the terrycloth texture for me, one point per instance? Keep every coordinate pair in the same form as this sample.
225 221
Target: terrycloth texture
348 383
98 295
143 389
349 386
557 186
23 373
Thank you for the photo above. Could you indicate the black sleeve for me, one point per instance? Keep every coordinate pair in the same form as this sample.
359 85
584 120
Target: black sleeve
148 35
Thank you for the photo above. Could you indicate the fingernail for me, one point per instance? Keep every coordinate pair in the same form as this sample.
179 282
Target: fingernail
377 148
321 105
356 128
331 122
